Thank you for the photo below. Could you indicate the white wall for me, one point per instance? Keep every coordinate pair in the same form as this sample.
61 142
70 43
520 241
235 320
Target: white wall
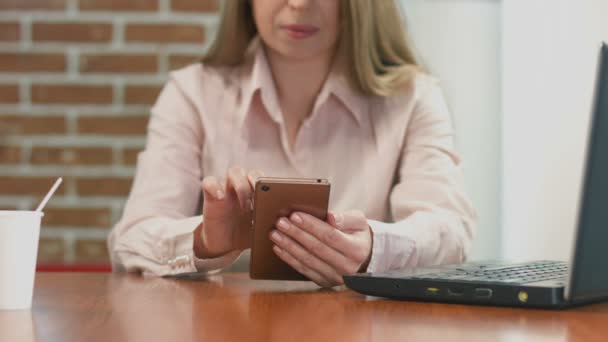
459 41
519 77
549 53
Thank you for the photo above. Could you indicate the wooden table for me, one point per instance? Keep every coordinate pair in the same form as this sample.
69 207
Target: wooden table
230 307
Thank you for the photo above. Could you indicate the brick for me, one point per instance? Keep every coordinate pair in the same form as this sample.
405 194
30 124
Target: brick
72 94
194 5
118 5
17 185
9 32
116 125
32 62
129 156
72 32
9 93
85 156
136 94
32 4
77 217
92 251
165 33
106 186
180 61
118 63
51 250
10 155
21 124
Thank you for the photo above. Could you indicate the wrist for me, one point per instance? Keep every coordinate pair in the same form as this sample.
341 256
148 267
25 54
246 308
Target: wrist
198 244
365 264
201 247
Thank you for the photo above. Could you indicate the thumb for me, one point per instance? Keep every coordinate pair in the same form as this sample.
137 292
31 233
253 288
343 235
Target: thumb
253 176
349 220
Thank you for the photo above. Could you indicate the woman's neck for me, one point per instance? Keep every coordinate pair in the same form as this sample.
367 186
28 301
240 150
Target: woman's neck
298 82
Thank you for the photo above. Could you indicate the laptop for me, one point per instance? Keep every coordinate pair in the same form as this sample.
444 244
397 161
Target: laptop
543 284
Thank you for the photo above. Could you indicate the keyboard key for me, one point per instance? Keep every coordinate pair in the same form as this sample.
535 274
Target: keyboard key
533 272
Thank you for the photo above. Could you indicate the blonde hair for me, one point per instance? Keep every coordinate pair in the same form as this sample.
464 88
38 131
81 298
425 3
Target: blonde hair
373 38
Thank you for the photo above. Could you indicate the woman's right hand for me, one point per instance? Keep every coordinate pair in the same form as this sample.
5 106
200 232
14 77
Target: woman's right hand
227 213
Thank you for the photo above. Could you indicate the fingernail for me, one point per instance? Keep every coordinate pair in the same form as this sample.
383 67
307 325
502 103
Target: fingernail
219 195
296 218
339 219
250 204
283 225
275 236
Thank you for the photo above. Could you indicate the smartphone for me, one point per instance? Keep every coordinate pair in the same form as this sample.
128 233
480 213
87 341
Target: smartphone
279 197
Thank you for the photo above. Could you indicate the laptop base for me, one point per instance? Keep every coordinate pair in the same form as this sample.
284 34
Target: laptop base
459 292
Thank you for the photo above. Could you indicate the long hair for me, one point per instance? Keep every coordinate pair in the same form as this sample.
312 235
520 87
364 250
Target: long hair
373 37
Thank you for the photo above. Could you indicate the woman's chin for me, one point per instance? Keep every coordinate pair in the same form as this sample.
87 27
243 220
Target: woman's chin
300 52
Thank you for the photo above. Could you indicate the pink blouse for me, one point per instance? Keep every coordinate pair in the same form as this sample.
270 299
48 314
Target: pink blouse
393 158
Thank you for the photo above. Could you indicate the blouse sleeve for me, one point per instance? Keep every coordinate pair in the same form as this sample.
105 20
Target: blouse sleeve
155 233
434 219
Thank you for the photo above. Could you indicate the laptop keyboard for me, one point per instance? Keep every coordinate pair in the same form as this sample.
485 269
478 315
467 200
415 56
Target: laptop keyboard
519 273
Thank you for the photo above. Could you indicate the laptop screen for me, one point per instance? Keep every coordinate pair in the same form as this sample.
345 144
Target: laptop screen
589 278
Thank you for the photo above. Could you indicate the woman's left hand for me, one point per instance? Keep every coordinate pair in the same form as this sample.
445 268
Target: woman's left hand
324 251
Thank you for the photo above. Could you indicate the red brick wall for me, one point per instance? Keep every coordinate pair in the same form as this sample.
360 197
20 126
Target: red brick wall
77 78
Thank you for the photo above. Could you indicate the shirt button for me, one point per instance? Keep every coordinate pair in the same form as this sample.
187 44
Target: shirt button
182 260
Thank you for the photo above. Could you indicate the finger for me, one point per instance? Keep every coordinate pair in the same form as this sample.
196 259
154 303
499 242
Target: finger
238 182
298 266
308 260
348 221
212 189
324 232
253 176
322 251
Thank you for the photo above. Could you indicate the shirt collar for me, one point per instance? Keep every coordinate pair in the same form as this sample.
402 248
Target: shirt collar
258 77
339 85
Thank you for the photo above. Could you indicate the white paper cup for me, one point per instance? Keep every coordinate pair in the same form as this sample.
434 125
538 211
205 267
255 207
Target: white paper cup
19 232
17 326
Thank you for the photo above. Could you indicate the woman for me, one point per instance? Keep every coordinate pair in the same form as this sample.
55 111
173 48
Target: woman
299 88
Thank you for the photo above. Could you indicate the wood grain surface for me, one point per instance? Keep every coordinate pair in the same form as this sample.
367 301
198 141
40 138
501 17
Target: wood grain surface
231 307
